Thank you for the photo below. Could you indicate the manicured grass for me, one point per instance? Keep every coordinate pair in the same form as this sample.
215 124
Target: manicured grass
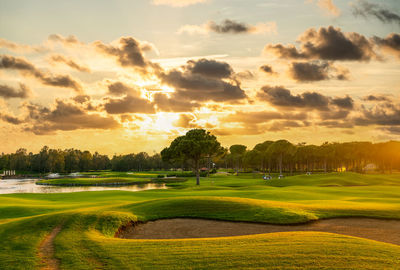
90 220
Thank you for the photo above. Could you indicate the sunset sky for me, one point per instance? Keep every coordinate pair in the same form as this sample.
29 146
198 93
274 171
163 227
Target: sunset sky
127 76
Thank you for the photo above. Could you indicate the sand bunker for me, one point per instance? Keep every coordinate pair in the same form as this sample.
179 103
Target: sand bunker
376 229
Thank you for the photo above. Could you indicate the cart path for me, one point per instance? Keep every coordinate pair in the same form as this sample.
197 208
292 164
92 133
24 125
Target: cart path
383 230
46 250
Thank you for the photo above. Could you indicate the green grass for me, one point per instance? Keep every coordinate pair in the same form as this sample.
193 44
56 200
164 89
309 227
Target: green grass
90 219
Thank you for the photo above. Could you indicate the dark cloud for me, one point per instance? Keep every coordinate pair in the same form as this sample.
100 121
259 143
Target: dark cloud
81 98
210 68
11 92
344 103
11 119
129 53
285 125
10 62
394 130
69 62
383 114
173 104
366 9
327 44
129 104
316 71
119 88
229 26
376 98
202 87
267 69
390 44
282 97
65 116
334 114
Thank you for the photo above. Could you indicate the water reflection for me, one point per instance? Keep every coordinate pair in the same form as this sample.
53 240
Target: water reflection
8 186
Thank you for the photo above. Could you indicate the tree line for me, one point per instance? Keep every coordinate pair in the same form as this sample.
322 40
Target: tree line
282 156
73 160
198 149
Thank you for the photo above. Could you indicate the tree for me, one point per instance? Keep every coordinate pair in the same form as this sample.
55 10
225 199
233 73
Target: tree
196 145
238 151
281 149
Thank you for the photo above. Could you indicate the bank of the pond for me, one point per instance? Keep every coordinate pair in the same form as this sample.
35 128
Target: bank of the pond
105 182
11 186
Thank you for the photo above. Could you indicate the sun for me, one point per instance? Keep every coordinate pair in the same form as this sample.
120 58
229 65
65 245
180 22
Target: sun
165 121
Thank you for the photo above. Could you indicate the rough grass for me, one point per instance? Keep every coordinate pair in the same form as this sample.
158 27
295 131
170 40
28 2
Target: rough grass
90 219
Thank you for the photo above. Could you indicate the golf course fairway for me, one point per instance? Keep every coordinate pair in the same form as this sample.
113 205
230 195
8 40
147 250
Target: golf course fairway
77 230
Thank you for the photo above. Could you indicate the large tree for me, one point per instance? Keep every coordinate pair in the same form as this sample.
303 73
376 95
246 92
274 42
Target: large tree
196 145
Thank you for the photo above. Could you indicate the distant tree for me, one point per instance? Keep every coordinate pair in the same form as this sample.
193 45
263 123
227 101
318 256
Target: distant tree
280 150
196 145
238 151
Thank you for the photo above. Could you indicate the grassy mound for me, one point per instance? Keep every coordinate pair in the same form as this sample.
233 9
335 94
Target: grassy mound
221 208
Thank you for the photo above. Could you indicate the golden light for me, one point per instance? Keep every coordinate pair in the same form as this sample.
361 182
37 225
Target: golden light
165 121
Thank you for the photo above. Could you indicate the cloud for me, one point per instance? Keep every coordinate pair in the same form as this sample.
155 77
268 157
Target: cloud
282 97
22 65
20 48
129 53
267 69
262 117
316 71
177 3
344 103
326 44
383 114
64 116
334 114
8 92
128 104
186 121
366 9
69 62
393 130
210 68
336 124
327 6
119 88
67 41
229 27
377 98
173 104
199 84
11 119
391 43
259 122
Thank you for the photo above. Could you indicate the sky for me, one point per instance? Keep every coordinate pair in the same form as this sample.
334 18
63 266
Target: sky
128 76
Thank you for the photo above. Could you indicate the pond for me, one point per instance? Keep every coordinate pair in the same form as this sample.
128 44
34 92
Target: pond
8 186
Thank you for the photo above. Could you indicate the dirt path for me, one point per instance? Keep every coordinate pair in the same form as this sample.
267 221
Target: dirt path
46 250
376 229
